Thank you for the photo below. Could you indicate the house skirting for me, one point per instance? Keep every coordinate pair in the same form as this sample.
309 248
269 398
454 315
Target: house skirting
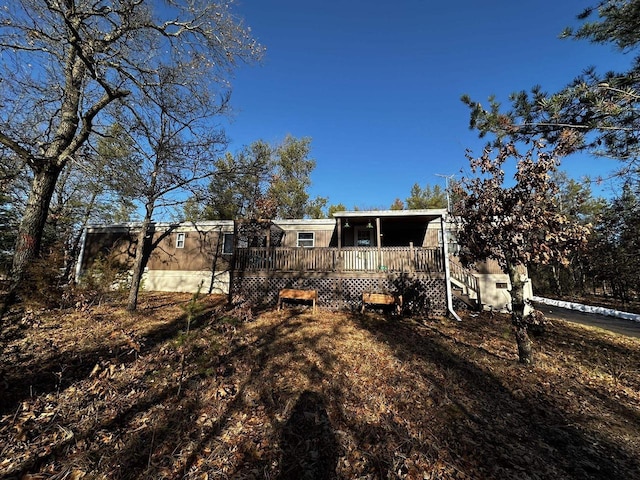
495 291
185 281
337 291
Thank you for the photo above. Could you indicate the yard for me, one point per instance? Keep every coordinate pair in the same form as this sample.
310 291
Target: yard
99 393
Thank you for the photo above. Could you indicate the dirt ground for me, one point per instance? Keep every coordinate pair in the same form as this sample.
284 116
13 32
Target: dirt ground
99 393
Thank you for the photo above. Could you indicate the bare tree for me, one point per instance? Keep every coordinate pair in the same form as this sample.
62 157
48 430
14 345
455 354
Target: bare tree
514 224
174 148
65 63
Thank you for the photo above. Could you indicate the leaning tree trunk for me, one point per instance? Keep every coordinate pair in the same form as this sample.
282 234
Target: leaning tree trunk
525 350
29 237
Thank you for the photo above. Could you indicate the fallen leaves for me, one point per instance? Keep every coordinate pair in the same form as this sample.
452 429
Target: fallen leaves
332 395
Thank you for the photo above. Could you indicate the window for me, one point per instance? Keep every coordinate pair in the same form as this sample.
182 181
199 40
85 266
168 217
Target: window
502 285
180 240
227 244
306 239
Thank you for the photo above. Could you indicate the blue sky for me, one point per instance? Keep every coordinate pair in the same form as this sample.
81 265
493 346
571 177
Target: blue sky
377 85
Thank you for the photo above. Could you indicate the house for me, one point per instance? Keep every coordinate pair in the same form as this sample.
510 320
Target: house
356 252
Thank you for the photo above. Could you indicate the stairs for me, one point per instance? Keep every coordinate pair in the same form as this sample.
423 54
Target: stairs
464 285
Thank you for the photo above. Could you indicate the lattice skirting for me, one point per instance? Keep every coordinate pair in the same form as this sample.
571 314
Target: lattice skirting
335 293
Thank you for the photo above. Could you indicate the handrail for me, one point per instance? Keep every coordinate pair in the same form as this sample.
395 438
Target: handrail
464 276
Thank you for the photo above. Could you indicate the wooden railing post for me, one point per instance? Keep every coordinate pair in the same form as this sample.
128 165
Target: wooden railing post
412 258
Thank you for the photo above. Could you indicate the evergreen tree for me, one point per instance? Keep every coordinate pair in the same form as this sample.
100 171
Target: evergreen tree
596 112
427 197
336 208
397 204
614 258
260 175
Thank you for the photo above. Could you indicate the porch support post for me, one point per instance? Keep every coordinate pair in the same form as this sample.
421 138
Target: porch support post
268 245
379 242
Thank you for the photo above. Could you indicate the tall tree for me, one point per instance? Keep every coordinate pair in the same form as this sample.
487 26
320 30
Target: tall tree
397 204
173 149
239 182
614 249
596 112
8 226
65 63
262 174
427 197
315 208
87 192
514 225
575 201
292 177
335 208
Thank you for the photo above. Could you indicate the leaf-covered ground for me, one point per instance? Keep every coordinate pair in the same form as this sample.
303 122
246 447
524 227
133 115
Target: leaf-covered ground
296 395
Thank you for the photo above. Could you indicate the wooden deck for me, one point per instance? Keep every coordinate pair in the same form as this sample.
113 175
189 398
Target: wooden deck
351 259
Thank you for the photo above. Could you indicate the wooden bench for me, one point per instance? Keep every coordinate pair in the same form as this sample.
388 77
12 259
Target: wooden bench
293 294
381 299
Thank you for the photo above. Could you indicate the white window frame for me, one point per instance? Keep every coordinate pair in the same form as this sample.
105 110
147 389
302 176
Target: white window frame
302 242
180 239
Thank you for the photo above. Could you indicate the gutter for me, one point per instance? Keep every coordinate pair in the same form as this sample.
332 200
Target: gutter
447 271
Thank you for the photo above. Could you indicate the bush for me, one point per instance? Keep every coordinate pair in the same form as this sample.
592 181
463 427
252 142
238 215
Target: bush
106 277
43 282
537 323
415 300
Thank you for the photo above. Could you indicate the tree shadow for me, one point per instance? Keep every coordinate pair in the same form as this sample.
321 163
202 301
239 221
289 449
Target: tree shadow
63 368
493 429
488 429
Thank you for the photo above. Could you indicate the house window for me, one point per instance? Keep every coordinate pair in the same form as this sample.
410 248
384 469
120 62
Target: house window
502 285
180 240
227 244
306 239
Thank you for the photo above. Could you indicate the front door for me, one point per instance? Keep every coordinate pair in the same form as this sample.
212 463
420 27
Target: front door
364 238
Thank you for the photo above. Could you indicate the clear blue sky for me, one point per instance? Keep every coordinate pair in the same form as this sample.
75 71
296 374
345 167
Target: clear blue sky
377 85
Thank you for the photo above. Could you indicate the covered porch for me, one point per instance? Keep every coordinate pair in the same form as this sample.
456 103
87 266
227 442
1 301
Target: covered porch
363 251
405 241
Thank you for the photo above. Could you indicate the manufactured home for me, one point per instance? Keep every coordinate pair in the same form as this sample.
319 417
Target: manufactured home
355 253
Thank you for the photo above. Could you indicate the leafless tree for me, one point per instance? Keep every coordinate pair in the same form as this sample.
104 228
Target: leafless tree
67 63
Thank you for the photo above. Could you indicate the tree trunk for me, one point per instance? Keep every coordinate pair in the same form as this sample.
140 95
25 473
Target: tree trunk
525 350
556 279
29 237
140 260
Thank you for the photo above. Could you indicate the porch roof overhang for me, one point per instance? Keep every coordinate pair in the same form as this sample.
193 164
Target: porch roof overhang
422 214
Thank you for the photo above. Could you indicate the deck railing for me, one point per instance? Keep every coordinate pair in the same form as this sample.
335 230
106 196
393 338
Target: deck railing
348 259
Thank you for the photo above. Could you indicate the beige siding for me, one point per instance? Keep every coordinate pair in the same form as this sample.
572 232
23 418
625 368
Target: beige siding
432 236
201 250
202 247
185 281
322 233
